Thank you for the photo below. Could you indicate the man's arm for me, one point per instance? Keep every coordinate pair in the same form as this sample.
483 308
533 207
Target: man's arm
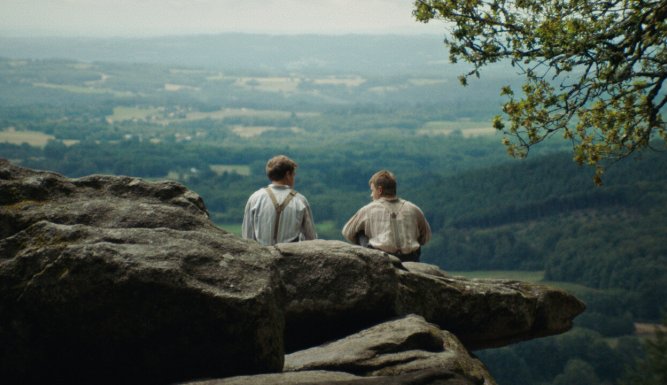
248 226
424 229
308 226
353 227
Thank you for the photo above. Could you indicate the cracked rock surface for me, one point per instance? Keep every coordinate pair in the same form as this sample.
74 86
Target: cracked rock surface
111 279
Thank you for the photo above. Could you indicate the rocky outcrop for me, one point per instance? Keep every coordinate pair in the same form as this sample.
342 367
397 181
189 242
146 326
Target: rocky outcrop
486 313
405 345
115 279
334 288
407 350
29 196
434 376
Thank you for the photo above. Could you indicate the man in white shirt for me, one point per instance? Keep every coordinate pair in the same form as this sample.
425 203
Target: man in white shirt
389 223
277 213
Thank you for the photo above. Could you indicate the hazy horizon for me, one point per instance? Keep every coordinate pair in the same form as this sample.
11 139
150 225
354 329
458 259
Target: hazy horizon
153 18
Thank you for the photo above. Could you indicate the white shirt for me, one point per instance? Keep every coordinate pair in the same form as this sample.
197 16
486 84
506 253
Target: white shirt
296 219
374 222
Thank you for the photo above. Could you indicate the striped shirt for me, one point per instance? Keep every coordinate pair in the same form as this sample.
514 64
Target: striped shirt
375 223
296 220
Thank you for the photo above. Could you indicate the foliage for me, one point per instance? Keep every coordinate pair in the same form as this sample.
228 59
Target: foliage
607 325
580 356
594 70
652 368
577 372
543 213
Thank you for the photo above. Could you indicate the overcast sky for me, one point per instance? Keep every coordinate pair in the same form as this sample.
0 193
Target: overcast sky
179 17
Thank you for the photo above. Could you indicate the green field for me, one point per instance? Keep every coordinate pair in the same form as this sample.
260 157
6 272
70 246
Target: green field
129 113
82 90
33 138
467 128
238 113
327 230
234 228
324 229
526 276
240 169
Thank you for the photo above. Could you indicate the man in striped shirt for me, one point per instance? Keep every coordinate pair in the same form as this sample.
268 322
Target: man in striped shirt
277 213
389 223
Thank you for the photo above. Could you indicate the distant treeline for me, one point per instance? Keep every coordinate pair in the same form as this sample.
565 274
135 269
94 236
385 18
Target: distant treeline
267 54
544 214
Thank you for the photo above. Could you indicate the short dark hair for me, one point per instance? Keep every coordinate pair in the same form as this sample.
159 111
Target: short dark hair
386 180
278 166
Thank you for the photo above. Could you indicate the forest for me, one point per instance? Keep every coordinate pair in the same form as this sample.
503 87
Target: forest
212 128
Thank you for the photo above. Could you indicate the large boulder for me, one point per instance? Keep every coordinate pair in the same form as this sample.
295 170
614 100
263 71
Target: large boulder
486 313
334 288
108 279
117 280
432 376
29 196
405 345
404 351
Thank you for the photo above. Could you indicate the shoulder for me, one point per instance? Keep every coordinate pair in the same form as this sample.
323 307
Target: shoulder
374 205
257 194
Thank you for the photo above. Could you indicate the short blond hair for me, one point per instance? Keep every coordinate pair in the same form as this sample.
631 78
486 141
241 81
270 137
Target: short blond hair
278 166
386 180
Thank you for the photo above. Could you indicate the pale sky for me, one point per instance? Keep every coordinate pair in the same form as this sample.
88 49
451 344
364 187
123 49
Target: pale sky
106 18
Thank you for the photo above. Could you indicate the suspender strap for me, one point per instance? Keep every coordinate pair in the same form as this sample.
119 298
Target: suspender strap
279 209
394 223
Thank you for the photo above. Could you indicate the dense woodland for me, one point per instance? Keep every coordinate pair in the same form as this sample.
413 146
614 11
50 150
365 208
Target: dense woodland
213 129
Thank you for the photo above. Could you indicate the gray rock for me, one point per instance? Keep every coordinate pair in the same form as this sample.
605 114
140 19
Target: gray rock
292 378
433 376
29 196
406 345
334 289
109 279
485 313
116 280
